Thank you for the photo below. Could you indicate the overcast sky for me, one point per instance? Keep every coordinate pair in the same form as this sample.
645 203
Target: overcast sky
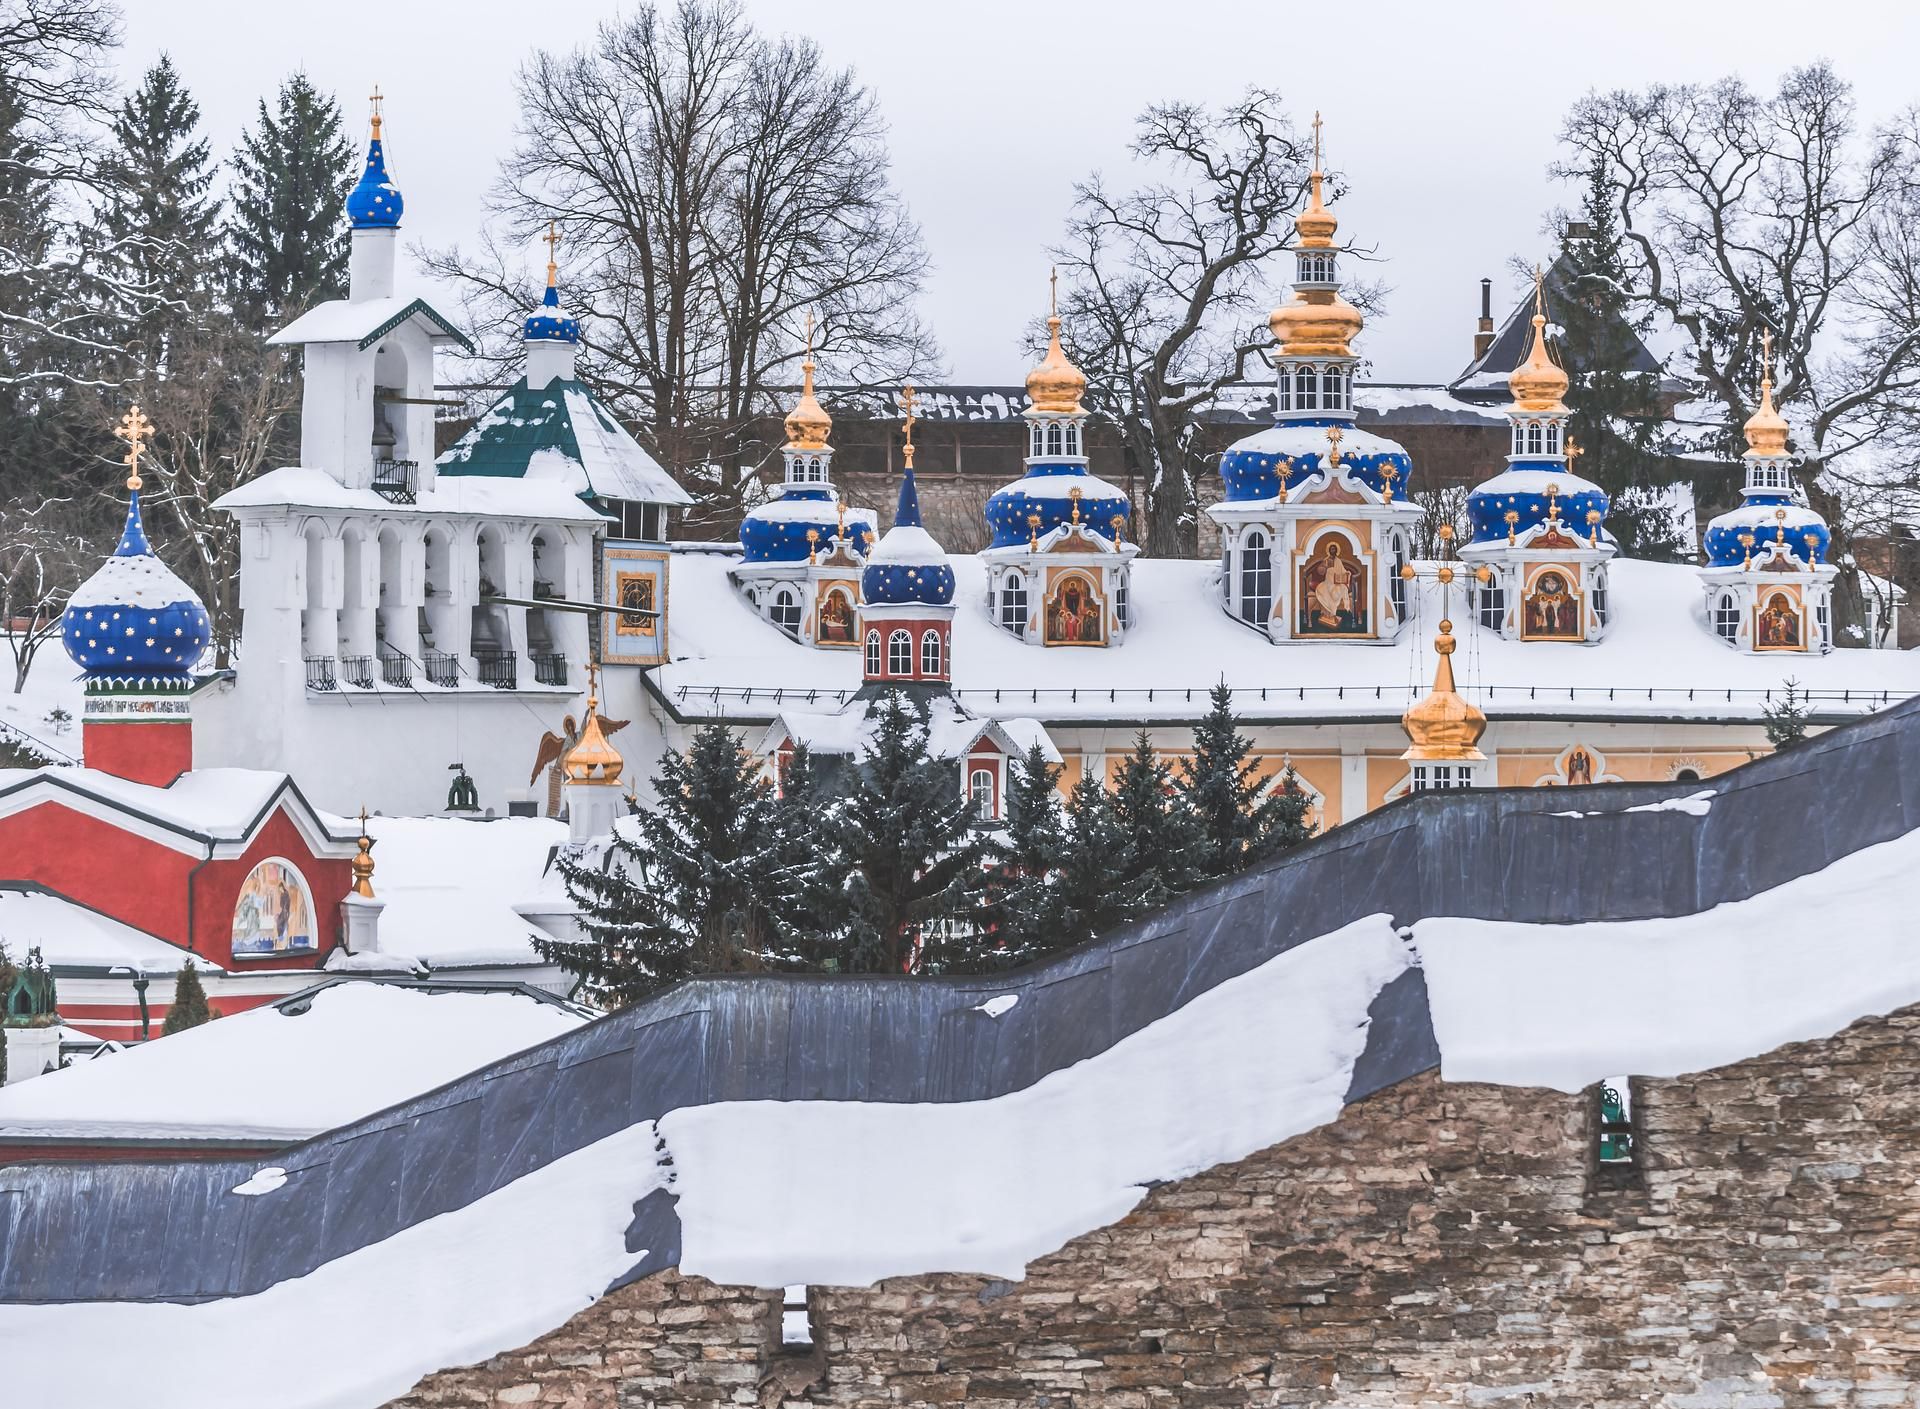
1442 115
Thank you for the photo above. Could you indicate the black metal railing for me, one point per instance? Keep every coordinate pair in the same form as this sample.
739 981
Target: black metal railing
550 669
396 481
396 669
357 671
320 673
442 669
500 669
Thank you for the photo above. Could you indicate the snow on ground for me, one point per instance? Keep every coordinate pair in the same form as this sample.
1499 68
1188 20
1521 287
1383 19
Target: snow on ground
848 1192
52 683
270 1074
1181 643
451 887
1565 1005
453 1290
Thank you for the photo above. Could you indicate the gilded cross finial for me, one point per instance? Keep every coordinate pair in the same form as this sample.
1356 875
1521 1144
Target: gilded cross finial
1316 139
552 237
809 335
1539 291
1553 499
1074 495
1334 437
376 99
363 861
906 405
1053 292
134 428
841 506
1033 531
813 544
1574 451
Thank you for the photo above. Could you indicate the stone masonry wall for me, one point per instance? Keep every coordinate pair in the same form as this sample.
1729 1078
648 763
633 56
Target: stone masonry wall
1437 1245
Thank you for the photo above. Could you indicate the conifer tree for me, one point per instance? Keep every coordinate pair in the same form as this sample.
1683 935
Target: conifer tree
1018 906
1786 718
292 173
159 223
686 895
1164 845
1241 821
1098 883
189 1007
1615 409
906 857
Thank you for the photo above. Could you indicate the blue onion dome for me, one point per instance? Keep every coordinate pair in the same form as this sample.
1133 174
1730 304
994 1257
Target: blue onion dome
776 532
1772 513
1046 494
907 567
134 620
550 322
1533 491
1274 461
375 203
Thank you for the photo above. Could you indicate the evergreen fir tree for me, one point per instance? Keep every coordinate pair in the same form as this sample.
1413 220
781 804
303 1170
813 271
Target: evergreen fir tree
1241 821
1098 883
1786 718
189 1002
908 860
292 173
1615 409
159 224
1164 845
685 897
794 913
1019 906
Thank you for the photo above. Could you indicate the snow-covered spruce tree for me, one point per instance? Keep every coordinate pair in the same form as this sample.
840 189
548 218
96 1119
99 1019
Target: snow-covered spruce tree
791 924
292 173
905 854
156 220
1020 907
1097 882
1616 410
687 881
1165 847
1241 821
1786 717
189 1008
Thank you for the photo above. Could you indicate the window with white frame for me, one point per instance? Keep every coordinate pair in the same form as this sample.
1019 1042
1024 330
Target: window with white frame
1726 616
1820 620
873 653
1306 389
1436 777
1055 444
1073 439
1286 387
980 790
1553 437
1333 388
786 610
1256 577
1492 602
1013 602
1038 440
1533 437
900 653
1600 596
1120 604
930 653
1397 584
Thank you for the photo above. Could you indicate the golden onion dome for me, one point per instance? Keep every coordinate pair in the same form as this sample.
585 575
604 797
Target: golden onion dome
1316 323
808 423
1539 383
1444 726
1055 386
1315 225
593 758
1767 428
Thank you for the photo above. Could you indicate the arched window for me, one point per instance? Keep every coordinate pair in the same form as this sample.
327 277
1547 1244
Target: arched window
1553 437
1686 775
1054 445
1600 596
1493 602
1330 388
1519 439
1286 388
873 654
1820 621
1307 389
1256 578
1726 616
900 653
1013 602
786 611
1073 440
1397 585
1533 437
980 791
1038 443
1121 612
930 653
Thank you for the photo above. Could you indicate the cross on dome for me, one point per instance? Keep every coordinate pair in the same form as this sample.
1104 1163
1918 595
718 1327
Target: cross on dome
135 429
375 202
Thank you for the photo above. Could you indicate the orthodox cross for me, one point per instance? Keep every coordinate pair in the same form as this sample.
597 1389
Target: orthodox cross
1316 139
1334 437
1445 570
906 405
809 335
375 99
552 238
1053 292
1539 290
1574 451
134 428
813 544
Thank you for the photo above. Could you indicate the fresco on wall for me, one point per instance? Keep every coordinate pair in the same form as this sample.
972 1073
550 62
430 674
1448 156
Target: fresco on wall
274 914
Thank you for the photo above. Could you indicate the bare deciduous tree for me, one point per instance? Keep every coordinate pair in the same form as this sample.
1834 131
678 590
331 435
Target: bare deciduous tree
43 557
1741 211
711 185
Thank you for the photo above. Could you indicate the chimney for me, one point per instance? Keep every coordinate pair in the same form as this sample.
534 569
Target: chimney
1483 335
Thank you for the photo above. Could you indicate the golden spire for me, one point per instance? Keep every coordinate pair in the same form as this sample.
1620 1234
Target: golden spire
592 759
552 237
906 406
808 423
363 862
1315 322
1766 428
1443 727
1538 384
134 428
375 99
1055 386
1316 224
813 546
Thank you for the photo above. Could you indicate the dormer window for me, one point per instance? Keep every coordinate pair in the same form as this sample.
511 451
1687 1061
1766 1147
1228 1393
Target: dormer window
786 611
873 654
1013 603
1726 617
1055 442
900 653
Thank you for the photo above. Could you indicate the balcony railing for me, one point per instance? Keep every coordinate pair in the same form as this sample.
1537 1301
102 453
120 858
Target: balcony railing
396 669
320 673
357 671
550 669
397 481
442 669
500 669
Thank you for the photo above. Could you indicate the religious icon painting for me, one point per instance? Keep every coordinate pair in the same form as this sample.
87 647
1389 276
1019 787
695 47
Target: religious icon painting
1075 614
635 582
1333 591
274 913
1577 765
1551 610
1777 622
837 617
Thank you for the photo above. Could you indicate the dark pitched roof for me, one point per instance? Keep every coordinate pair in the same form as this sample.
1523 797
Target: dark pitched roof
1486 375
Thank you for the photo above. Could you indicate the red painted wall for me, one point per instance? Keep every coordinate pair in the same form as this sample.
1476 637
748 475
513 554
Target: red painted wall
217 888
150 751
942 626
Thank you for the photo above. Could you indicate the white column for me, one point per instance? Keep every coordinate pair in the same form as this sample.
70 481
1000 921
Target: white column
592 809
30 1051
370 265
361 915
1353 785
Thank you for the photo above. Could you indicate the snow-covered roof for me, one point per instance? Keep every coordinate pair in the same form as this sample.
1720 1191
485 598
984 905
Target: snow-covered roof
216 807
316 1060
302 487
367 321
729 662
951 731
560 433
70 936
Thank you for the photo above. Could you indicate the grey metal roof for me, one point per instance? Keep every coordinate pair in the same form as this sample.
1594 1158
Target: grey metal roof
168 1231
